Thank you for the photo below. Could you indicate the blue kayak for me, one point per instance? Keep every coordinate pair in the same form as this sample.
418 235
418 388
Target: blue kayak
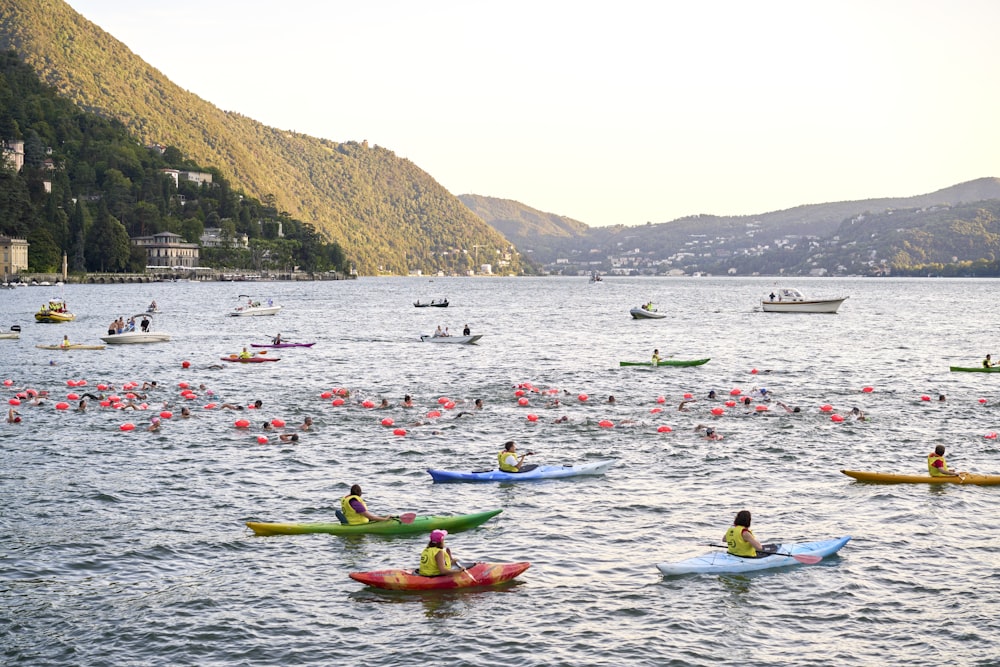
541 472
721 562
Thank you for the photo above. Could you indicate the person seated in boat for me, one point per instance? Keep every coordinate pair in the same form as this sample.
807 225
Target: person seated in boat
937 466
353 510
438 332
65 342
152 306
509 460
144 325
988 362
276 340
436 558
740 540
245 354
466 331
656 357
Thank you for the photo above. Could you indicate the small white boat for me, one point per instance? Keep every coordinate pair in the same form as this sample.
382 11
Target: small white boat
451 339
788 300
138 334
595 277
13 334
251 308
647 312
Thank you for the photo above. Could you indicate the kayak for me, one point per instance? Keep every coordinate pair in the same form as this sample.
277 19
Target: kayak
282 345
420 524
893 478
666 362
250 360
480 574
71 346
541 472
722 562
974 369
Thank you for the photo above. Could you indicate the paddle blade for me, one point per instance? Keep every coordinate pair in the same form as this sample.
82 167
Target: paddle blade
407 518
806 558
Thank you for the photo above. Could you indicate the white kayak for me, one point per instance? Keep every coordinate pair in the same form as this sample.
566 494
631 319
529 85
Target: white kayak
451 339
721 562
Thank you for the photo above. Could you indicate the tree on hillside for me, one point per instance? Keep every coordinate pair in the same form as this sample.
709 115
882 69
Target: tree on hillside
107 246
78 224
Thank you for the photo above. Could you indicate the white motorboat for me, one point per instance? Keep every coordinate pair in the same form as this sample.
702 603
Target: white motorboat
789 300
139 332
14 333
451 339
251 308
647 312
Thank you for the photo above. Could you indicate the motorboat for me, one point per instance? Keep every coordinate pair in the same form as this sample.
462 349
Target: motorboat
790 300
451 339
435 303
595 277
251 308
647 312
13 334
54 311
137 333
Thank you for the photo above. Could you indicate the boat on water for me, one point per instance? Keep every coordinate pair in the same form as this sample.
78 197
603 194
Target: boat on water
71 346
722 562
433 303
595 277
137 333
467 340
237 359
541 472
153 308
13 334
646 312
480 574
54 311
894 478
252 308
279 346
667 362
974 369
419 524
790 300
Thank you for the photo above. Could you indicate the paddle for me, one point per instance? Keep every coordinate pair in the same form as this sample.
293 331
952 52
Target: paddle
466 570
802 558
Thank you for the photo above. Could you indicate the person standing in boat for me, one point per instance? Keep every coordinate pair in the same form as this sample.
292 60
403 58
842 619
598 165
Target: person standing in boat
510 461
656 357
354 511
937 466
436 558
740 539
466 331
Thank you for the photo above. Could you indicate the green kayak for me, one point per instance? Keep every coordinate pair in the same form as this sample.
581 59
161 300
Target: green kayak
666 362
420 524
974 369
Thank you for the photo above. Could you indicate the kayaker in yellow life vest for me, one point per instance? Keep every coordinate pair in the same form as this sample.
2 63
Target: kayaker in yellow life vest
656 357
988 362
937 466
740 539
436 558
353 510
65 342
245 354
509 460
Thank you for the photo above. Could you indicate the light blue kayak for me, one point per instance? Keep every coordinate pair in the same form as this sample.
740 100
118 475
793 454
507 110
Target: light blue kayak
541 472
721 562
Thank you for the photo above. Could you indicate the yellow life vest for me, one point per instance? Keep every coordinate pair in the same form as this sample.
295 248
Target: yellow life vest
656 360
428 561
353 518
737 545
934 470
506 467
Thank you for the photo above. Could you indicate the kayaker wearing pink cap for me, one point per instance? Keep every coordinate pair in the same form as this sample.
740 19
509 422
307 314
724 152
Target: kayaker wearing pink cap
436 559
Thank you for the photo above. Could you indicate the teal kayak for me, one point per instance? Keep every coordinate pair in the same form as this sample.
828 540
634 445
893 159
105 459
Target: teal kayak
420 524
722 562
666 362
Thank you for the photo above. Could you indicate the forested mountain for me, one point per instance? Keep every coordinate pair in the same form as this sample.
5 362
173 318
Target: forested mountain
387 214
952 231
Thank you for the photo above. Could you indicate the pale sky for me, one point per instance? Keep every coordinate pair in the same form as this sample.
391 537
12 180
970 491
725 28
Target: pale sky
622 112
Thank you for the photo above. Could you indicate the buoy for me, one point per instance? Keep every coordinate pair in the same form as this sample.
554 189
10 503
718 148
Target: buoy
185 364
337 401
105 403
735 392
450 405
990 436
532 418
688 396
925 397
717 411
443 399
62 406
836 418
433 414
143 406
583 397
182 385
326 394
166 414
399 431
8 383
522 401
342 392
368 404
730 404
753 371
605 423
278 423
761 408
826 408
663 429
388 421
982 400
15 401
127 427
867 390
241 423
655 410
190 396
210 406
102 387
130 396
262 439
70 383
661 399
519 393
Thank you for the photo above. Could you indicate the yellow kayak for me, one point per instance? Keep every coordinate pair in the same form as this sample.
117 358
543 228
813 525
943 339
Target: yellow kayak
71 346
893 478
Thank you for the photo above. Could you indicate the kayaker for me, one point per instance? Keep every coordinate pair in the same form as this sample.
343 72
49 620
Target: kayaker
245 354
510 461
656 357
353 510
65 342
436 558
937 466
277 339
988 362
740 539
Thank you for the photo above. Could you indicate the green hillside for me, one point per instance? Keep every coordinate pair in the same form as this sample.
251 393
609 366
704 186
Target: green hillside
387 214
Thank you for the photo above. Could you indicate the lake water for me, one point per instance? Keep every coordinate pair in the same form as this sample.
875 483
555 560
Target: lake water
129 548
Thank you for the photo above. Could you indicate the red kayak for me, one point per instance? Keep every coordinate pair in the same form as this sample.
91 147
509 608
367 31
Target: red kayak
480 574
250 360
281 345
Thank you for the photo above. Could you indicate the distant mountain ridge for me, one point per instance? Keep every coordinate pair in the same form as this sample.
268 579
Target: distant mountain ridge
388 214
